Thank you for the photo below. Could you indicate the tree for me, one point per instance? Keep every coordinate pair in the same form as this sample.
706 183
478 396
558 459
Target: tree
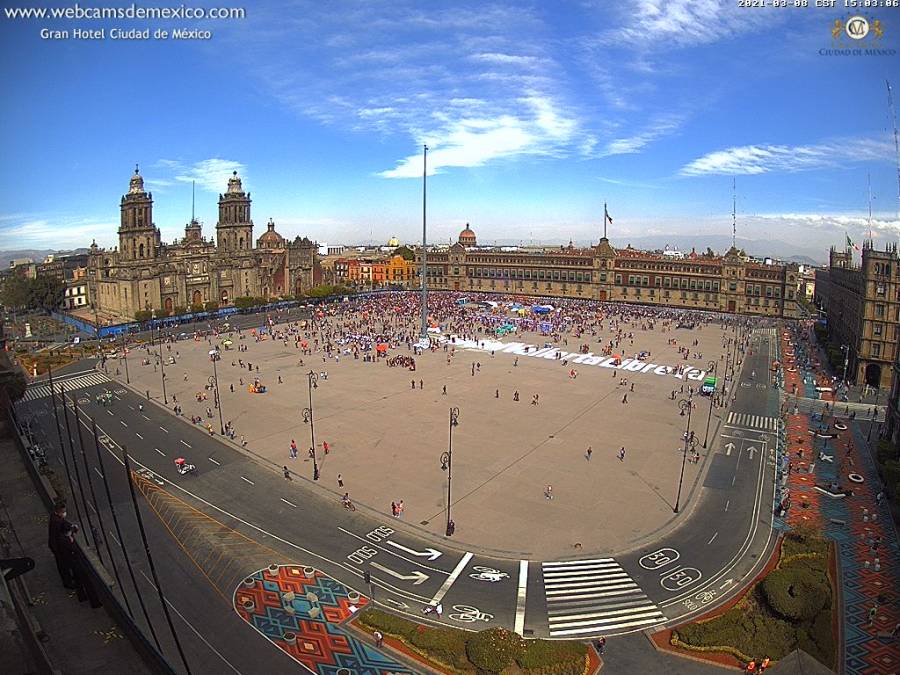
143 315
406 252
211 306
15 292
710 253
47 293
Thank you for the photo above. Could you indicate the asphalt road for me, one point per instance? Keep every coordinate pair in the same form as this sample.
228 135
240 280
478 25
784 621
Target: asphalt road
704 560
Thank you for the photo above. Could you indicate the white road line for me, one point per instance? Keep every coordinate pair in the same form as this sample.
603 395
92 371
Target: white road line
114 538
109 412
131 406
93 508
160 452
288 503
214 461
98 472
519 625
138 435
186 444
726 505
164 429
460 566
122 422
145 417
712 539
248 480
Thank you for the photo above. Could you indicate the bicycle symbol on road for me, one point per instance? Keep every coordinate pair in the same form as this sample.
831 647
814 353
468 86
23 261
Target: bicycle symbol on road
488 574
469 614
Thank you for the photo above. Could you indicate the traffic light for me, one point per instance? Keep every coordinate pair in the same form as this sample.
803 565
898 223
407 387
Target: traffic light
367 577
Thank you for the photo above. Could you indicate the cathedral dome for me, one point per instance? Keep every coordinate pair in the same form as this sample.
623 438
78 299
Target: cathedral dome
393 241
136 185
234 183
270 238
467 237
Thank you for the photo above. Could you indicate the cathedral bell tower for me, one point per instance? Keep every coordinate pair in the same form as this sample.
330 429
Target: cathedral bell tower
138 237
234 231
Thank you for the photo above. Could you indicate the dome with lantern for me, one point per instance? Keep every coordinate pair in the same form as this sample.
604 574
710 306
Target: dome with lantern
270 238
467 237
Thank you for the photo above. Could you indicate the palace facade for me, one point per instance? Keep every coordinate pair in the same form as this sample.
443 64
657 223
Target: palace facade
145 274
862 303
729 283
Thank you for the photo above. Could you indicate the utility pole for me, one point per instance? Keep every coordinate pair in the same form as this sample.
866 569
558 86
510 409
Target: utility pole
423 334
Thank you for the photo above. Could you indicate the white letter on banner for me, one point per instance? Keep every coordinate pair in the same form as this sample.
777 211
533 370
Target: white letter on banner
697 375
591 360
662 370
634 366
608 363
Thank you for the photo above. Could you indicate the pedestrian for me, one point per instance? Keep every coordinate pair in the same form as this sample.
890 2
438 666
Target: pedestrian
548 492
622 454
439 610
625 398
444 391
379 639
287 473
751 667
496 393
340 481
412 384
394 509
516 395
293 453
420 385
325 446
400 508
590 451
54 534
873 612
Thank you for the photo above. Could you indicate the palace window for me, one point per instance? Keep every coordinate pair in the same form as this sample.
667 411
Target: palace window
879 310
876 349
876 329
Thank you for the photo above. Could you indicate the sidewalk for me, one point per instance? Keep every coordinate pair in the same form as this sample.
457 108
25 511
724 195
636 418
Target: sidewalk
79 639
867 544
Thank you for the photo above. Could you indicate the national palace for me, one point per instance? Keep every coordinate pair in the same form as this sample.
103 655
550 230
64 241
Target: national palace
729 283
145 274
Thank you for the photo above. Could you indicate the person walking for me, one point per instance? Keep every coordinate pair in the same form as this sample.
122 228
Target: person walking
589 453
379 639
394 509
326 447
340 481
287 473
625 399
444 391
516 396
293 452
622 454
54 534
548 492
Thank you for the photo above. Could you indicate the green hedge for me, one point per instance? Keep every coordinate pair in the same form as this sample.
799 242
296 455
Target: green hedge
487 652
791 607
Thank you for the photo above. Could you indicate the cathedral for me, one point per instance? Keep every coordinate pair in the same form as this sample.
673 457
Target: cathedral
145 274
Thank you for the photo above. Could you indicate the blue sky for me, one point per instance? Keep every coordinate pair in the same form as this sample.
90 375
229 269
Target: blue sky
535 113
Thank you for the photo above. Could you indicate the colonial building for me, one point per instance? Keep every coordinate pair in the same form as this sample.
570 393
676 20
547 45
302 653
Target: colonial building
862 304
143 273
728 283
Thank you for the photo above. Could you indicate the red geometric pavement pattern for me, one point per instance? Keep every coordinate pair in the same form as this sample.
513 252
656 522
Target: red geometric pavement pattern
301 611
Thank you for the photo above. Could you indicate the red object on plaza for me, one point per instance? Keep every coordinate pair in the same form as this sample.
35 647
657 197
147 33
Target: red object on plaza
179 461
381 348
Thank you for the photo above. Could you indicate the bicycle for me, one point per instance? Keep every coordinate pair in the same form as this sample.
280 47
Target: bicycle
350 506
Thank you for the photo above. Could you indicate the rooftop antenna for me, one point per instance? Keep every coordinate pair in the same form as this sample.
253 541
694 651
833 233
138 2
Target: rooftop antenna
896 141
193 184
733 213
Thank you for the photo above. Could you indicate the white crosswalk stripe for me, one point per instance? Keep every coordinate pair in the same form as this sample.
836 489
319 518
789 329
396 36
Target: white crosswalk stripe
42 390
594 597
752 421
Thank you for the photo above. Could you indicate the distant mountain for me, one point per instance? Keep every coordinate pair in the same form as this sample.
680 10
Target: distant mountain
37 255
720 243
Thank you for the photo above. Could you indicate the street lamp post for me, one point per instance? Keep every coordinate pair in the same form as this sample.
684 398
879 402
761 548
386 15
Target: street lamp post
447 465
215 384
846 350
162 370
309 419
874 414
125 356
711 366
686 404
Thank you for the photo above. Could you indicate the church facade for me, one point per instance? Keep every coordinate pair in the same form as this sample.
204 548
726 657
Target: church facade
145 274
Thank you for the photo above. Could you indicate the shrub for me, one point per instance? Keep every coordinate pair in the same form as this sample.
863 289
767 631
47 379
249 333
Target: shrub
447 645
142 315
558 658
795 592
493 650
388 623
890 474
211 306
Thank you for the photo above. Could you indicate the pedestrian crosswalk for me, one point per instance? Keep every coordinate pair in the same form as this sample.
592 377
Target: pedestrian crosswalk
766 331
594 597
753 421
42 390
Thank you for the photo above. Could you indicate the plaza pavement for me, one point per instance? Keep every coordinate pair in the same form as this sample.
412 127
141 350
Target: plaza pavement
386 438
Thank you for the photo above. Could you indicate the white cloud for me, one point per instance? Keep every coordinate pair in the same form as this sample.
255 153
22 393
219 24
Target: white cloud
57 234
666 23
757 159
507 59
209 174
664 126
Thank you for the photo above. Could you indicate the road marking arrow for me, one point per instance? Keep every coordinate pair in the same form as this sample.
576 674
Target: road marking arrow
727 583
416 577
728 448
751 450
429 553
